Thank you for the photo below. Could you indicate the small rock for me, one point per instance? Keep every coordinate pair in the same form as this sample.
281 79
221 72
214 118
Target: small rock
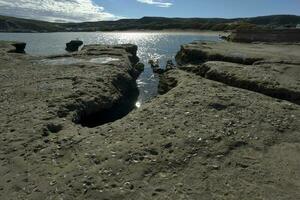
168 145
52 183
214 167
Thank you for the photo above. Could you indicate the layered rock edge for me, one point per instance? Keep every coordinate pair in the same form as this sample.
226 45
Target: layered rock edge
270 69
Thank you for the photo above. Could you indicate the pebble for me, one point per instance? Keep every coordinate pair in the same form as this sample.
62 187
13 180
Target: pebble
215 167
52 183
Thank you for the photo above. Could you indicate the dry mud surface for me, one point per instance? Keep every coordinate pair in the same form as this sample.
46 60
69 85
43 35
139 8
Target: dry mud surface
203 139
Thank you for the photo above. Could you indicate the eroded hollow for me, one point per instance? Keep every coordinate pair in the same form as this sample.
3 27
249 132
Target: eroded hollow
117 111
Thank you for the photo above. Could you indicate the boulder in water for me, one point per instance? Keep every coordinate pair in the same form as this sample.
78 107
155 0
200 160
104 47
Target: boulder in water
73 45
155 67
170 65
17 47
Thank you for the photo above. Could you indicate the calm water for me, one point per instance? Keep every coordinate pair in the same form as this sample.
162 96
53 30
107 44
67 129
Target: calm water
161 46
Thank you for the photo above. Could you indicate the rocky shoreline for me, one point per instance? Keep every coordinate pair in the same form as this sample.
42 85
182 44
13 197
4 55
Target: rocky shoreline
270 69
225 127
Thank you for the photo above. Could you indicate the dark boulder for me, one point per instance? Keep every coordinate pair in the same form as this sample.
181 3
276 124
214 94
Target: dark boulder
170 65
158 70
19 47
223 37
73 45
155 67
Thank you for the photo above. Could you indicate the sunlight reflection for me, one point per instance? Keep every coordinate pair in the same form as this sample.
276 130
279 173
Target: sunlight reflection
138 104
134 37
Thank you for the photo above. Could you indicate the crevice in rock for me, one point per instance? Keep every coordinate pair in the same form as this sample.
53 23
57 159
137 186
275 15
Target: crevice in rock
231 80
51 128
117 100
95 114
117 111
278 93
218 106
195 57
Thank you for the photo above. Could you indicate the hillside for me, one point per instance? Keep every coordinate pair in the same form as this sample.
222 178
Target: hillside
12 24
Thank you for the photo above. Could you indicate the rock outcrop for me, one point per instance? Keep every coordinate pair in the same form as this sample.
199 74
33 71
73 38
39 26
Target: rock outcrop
200 139
273 79
272 70
73 45
242 53
19 47
41 97
13 47
157 69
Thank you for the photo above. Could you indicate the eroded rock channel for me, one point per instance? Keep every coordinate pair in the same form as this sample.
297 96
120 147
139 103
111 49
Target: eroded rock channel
204 138
122 67
91 87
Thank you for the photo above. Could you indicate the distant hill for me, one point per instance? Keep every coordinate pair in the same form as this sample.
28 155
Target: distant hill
12 24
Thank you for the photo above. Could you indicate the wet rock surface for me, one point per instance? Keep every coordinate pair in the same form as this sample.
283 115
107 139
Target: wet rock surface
201 139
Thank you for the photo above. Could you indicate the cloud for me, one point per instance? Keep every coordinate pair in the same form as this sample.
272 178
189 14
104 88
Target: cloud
159 3
56 10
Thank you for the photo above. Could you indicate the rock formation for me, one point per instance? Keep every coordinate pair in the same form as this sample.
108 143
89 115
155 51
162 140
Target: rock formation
269 69
242 53
205 137
12 47
155 67
73 45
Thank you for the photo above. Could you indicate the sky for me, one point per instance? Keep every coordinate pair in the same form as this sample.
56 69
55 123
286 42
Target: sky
96 10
